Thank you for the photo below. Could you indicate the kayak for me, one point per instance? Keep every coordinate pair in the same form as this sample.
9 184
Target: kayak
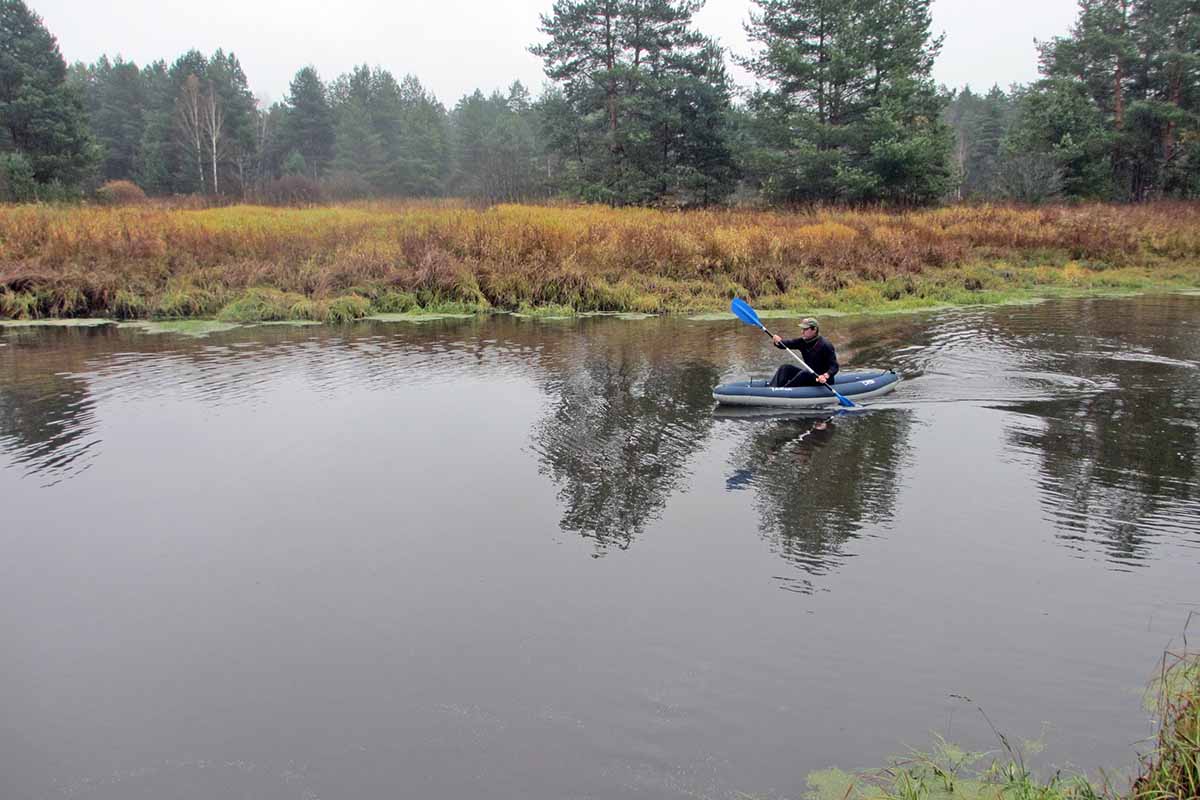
853 385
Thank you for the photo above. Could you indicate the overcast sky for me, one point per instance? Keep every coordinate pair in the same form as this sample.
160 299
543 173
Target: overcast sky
457 46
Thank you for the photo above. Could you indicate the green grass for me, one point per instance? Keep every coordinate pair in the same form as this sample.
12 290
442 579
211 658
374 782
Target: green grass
1172 769
260 305
348 308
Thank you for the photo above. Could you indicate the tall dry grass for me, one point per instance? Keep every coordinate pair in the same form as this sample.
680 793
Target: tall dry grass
157 260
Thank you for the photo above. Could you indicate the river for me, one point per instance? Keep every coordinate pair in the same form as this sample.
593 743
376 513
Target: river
514 558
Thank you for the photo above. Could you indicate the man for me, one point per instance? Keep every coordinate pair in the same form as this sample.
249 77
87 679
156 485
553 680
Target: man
816 351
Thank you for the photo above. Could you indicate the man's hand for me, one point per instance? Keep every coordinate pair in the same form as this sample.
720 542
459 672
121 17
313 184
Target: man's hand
823 377
777 339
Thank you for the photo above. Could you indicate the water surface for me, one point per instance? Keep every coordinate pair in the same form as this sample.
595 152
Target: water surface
502 558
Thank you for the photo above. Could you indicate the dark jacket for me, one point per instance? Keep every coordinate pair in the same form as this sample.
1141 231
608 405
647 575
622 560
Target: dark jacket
817 353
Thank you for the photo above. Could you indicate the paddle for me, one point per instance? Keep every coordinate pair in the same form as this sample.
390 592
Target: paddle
742 310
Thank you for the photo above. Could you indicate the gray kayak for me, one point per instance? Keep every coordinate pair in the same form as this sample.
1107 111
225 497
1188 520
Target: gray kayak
856 386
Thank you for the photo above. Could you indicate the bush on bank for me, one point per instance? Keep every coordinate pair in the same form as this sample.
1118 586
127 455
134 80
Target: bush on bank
1170 770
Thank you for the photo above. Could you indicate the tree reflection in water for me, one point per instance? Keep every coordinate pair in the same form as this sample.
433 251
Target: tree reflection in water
47 422
1118 469
618 440
820 481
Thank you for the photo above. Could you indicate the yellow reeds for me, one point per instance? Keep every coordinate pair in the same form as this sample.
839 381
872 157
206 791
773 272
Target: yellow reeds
153 259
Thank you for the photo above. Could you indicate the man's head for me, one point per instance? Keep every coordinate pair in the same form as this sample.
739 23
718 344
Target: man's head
809 328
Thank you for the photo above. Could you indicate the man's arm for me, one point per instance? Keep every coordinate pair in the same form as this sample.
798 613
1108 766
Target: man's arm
833 362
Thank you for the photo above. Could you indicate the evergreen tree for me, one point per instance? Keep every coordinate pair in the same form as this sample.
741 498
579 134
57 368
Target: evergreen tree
1056 118
650 95
496 150
1137 65
271 147
157 167
852 113
471 121
308 123
980 124
986 150
358 150
423 149
1166 116
41 116
391 134
116 106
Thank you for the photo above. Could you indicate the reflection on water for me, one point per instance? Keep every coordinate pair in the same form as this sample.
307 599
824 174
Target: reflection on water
815 490
1102 392
1118 468
47 422
1111 478
47 419
618 438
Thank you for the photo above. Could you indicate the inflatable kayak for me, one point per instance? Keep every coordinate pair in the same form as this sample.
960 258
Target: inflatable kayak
853 385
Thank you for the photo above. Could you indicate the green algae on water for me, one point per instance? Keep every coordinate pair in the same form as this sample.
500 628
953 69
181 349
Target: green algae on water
183 327
410 316
56 323
288 323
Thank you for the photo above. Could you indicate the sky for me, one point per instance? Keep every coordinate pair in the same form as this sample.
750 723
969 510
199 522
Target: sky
457 46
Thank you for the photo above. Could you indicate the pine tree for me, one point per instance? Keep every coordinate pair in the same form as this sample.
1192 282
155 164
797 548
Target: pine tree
41 116
423 149
358 151
308 125
628 69
156 170
116 107
496 150
851 112
1137 63
1167 33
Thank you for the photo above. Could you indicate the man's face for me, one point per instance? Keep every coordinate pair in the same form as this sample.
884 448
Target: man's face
808 334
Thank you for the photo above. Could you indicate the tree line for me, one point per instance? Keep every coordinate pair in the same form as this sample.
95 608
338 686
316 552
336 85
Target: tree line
638 109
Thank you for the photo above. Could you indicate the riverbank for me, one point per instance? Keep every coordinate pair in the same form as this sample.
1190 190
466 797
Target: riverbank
340 263
1170 770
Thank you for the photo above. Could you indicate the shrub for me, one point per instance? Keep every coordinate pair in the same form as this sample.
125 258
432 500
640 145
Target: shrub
348 308
308 309
259 305
395 302
291 190
18 305
17 183
184 301
345 186
127 305
120 193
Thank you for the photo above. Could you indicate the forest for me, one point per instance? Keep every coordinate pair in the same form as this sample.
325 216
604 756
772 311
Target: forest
638 110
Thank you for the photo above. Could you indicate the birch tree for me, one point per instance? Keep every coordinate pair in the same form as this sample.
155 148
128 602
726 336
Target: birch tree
190 119
213 122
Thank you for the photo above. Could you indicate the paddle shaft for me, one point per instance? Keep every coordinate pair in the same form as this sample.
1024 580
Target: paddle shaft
795 355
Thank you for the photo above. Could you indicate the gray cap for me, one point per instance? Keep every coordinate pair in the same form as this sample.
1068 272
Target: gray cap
809 322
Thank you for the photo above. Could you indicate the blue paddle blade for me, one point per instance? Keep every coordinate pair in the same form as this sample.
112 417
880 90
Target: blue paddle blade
742 310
